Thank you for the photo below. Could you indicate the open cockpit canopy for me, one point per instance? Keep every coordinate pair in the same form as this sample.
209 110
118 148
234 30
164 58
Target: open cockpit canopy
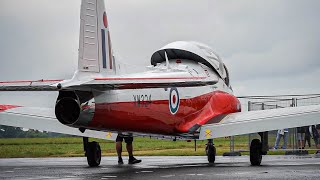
192 51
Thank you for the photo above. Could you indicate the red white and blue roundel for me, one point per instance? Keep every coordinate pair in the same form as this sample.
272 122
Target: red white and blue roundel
174 100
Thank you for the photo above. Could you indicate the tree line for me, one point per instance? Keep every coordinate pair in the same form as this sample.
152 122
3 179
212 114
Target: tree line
16 132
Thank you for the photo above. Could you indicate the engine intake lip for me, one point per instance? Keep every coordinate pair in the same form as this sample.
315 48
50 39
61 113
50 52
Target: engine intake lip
67 110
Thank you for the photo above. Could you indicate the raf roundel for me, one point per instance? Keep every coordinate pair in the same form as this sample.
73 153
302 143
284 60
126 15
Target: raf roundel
105 20
174 100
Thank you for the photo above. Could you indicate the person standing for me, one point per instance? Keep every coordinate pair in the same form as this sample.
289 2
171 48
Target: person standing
128 140
307 137
314 131
282 133
300 134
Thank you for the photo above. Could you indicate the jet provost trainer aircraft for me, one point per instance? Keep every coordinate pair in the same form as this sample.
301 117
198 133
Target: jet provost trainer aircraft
185 94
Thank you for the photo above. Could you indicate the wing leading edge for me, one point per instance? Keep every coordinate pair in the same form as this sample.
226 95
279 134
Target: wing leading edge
39 85
140 83
43 119
105 83
260 121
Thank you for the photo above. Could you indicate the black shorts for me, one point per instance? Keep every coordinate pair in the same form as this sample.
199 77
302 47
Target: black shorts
301 130
127 139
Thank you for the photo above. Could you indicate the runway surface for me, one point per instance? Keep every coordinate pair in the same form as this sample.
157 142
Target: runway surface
163 167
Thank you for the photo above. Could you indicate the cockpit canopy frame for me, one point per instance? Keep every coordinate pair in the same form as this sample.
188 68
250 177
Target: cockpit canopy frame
192 51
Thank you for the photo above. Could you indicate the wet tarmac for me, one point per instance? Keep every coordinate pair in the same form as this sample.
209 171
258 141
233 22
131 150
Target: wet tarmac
160 167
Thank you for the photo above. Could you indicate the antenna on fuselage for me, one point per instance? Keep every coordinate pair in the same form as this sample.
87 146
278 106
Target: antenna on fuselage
167 59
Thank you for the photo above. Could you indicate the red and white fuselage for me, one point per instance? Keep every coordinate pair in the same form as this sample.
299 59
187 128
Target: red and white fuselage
168 110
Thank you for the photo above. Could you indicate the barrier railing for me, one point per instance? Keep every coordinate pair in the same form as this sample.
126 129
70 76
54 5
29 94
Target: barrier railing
254 103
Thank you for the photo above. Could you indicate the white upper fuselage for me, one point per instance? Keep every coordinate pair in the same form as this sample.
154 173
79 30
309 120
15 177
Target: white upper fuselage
184 69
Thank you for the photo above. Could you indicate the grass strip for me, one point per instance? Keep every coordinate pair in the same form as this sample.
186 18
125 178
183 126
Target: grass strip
73 147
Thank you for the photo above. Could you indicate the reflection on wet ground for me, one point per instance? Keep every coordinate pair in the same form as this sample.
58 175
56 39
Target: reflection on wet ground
160 167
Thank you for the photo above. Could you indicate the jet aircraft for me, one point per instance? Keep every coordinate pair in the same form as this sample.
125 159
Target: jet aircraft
185 94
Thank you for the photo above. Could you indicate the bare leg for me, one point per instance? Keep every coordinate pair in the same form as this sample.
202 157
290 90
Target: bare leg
130 149
119 148
299 144
132 160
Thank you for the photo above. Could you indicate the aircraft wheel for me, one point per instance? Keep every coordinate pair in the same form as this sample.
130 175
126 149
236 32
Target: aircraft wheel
93 153
255 152
211 153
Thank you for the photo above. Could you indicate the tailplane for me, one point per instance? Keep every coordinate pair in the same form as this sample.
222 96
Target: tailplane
95 50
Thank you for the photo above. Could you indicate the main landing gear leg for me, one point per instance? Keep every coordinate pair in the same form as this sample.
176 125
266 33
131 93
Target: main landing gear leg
258 148
92 152
211 151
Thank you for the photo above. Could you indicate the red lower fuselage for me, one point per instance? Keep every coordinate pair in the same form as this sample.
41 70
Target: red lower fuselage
154 116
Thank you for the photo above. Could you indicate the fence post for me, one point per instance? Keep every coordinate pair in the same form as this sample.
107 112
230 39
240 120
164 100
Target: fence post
231 144
249 136
294 147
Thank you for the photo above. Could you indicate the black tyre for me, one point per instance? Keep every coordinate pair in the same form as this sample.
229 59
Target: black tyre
211 153
93 153
255 152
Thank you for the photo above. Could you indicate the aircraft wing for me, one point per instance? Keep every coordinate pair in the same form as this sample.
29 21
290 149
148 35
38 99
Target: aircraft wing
43 119
88 84
137 81
260 121
39 85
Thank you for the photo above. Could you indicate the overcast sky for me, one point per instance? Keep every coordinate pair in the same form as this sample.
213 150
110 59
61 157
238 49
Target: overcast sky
270 47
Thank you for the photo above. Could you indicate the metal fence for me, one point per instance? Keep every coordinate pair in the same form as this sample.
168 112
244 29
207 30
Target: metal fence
254 103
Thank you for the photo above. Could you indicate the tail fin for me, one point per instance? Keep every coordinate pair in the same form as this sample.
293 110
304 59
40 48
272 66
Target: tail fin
95 51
